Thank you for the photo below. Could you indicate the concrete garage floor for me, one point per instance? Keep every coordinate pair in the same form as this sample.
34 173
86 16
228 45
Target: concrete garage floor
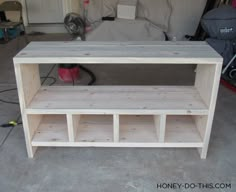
106 169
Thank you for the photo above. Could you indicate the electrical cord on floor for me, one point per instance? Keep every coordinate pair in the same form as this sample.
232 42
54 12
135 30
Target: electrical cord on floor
91 74
48 74
14 123
8 134
14 89
8 102
6 90
54 80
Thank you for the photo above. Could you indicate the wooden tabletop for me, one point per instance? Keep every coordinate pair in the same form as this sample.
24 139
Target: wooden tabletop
154 52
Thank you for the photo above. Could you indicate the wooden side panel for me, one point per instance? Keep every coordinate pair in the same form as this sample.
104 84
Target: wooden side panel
204 81
215 87
28 82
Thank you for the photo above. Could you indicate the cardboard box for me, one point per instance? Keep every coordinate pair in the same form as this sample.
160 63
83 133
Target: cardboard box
126 9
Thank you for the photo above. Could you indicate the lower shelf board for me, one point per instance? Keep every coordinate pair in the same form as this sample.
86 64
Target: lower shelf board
52 128
117 145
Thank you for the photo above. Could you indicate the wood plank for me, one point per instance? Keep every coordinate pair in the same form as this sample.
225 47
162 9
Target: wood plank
134 129
204 81
111 144
70 124
53 128
122 53
114 43
160 124
182 129
212 105
24 99
95 128
201 122
118 99
116 128
75 126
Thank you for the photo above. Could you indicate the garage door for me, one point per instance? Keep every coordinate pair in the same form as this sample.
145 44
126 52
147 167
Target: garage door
44 11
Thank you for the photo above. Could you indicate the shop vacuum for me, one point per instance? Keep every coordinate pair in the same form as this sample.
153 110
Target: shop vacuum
76 26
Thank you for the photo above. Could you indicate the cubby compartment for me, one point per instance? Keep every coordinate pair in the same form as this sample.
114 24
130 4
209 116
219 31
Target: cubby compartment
46 129
185 128
93 128
138 128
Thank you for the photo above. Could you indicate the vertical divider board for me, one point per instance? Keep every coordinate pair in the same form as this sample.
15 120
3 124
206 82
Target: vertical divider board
160 124
76 120
116 128
70 127
73 126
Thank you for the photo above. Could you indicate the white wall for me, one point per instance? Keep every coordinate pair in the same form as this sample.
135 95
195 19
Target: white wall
184 20
68 6
185 16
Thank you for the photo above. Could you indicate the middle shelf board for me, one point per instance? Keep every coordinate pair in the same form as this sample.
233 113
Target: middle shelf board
117 100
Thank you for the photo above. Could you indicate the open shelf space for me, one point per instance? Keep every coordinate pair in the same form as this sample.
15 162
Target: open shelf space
51 129
136 128
182 129
118 99
94 128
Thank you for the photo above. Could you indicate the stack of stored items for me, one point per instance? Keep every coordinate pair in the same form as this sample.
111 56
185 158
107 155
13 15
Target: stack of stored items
126 9
220 25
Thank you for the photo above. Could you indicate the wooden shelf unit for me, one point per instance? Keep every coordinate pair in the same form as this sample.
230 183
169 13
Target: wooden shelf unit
118 116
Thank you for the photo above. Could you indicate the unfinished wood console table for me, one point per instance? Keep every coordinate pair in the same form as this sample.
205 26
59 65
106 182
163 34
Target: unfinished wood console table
118 116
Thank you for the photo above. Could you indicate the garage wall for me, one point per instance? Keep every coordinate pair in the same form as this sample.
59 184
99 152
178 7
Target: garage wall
184 20
185 16
68 6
